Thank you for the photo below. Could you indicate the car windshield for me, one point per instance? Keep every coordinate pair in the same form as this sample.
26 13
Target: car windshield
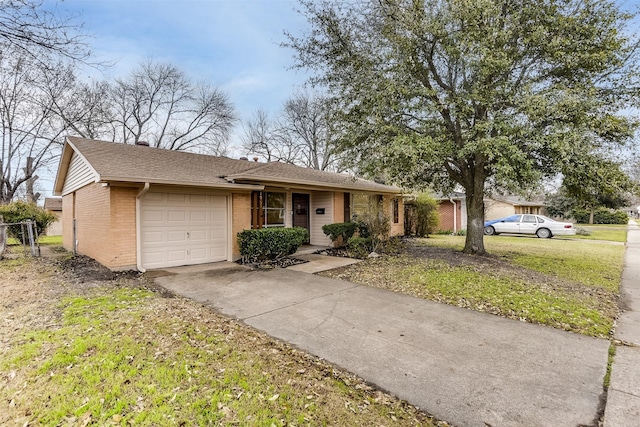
512 218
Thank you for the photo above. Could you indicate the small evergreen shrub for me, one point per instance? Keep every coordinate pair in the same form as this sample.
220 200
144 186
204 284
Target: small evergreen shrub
270 243
20 211
359 247
340 232
582 231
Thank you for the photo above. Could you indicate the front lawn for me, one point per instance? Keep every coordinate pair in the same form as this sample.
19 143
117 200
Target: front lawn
571 285
609 232
76 350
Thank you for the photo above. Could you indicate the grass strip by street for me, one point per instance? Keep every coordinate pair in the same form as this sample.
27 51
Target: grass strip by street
120 355
564 284
590 263
608 232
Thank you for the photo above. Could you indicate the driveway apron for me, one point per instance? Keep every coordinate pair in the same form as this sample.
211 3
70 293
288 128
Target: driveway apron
464 367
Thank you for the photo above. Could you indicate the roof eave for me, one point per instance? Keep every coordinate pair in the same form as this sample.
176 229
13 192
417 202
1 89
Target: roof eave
316 184
113 179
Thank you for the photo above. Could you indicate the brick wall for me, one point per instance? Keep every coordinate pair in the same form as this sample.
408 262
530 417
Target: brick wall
397 229
446 214
338 207
123 227
241 218
93 222
67 221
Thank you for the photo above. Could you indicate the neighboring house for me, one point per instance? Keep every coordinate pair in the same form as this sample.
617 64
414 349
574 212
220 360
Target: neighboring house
452 211
54 205
132 206
502 206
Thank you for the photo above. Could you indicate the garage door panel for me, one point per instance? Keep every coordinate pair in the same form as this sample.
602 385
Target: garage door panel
176 198
152 237
176 236
199 199
182 229
179 255
199 216
176 215
199 236
199 254
153 215
154 257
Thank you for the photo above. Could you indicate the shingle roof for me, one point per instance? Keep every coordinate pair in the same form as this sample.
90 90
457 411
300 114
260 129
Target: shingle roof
283 172
518 201
134 163
53 203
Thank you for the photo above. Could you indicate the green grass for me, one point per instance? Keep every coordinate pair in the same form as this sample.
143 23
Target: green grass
125 356
567 284
50 240
509 296
608 232
43 240
592 264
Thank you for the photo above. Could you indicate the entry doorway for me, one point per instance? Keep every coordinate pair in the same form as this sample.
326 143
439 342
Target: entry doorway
300 204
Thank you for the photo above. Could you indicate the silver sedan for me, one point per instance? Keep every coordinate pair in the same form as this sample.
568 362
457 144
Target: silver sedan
539 225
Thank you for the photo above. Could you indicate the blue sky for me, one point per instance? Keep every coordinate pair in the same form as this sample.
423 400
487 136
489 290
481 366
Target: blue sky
231 44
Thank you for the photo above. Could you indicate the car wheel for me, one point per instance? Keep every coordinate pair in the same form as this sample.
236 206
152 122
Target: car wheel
489 231
543 233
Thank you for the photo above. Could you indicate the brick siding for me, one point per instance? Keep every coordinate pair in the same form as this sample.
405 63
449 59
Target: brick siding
241 218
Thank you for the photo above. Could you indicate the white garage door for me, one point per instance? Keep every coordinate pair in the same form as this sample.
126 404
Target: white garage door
182 229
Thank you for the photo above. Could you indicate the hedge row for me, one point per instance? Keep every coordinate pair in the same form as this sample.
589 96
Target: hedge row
600 216
270 243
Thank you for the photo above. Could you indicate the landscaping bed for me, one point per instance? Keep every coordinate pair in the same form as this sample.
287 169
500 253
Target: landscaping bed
81 345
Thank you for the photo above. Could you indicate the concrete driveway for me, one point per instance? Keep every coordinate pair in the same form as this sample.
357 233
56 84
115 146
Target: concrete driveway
464 367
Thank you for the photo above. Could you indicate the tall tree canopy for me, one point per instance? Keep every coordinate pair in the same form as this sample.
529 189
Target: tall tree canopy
486 94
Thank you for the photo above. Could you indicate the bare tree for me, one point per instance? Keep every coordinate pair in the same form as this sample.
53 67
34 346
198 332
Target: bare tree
29 128
84 107
305 133
32 31
159 104
265 137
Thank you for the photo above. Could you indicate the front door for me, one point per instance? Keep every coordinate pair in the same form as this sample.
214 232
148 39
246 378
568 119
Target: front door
300 204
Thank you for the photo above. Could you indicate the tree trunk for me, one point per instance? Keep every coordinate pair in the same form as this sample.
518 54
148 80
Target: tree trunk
591 215
474 243
31 196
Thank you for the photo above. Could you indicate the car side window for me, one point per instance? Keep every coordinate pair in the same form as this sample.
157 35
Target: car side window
529 219
540 220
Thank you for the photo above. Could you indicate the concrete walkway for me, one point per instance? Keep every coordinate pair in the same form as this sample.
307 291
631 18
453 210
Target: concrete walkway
623 403
464 367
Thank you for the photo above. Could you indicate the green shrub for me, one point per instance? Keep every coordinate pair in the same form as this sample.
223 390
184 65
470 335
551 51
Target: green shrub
340 232
270 243
600 216
427 217
359 247
374 226
22 211
582 231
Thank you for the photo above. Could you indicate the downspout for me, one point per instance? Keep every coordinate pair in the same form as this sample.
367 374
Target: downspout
455 216
141 193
